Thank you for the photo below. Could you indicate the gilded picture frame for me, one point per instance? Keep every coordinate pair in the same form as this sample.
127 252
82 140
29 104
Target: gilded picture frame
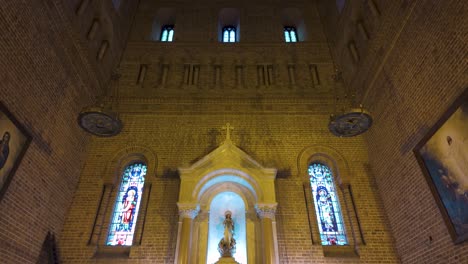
443 157
14 141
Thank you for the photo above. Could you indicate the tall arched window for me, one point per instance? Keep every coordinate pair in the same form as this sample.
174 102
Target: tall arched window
229 34
124 216
327 206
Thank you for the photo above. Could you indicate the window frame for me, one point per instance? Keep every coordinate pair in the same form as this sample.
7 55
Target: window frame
170 33
339 167
137 208
287 34
333 197
232 33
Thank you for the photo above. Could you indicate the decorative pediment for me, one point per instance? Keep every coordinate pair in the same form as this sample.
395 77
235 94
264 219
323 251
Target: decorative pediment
227 155
227 163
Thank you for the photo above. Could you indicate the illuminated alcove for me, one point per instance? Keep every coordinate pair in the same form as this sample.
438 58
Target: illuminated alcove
217 195
222 202
227 179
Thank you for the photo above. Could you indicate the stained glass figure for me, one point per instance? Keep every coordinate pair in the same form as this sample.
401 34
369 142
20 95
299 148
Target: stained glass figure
290 34
327 207
122 227
167 33
229 34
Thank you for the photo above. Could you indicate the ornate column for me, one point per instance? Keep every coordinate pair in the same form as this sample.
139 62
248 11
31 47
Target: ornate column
187 212
267 212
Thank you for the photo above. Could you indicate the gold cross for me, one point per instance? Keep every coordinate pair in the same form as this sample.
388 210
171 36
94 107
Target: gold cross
228 127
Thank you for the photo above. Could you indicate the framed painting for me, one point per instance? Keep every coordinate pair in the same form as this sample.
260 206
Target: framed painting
443 156
14 140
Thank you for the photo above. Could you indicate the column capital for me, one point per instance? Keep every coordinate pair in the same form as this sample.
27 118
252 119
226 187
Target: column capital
265 210
188 210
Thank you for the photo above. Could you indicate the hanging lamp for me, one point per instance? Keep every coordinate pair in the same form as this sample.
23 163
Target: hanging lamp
352 119
99 119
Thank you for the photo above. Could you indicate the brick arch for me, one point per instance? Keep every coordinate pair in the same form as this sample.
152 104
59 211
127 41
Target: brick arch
328 156
124 157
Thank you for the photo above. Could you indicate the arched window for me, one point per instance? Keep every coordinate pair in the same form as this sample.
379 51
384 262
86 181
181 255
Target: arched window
229 34
327 206
167 33
290 34
129 196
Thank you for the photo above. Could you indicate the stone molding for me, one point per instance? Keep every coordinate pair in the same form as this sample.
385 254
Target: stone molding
188 210
266 210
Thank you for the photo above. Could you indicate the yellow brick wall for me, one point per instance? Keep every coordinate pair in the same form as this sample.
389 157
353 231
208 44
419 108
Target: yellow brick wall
181 123
411 70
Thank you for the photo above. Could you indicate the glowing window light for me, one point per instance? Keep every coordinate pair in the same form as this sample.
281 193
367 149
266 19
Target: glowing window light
327 207
229 34
124 217
290 34
167 33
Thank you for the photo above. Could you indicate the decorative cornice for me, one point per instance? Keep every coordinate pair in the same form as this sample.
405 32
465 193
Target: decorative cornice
188 210
266 210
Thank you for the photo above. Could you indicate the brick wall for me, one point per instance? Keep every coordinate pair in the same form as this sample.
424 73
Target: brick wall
181 123
412 69
46 79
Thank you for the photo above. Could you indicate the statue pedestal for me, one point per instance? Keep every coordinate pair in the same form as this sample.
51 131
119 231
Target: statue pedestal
226 260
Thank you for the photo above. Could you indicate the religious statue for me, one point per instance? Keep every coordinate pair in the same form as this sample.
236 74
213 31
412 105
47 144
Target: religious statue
227 244
4 149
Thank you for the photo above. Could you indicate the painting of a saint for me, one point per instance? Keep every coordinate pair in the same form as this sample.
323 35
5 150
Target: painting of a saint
444 156
4 149
13 144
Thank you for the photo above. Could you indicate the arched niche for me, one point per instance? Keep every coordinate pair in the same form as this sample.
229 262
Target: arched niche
227 170
293 17
327 155
164 16
126 156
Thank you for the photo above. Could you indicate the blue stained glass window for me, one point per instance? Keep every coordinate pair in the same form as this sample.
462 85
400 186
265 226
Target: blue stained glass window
286 36
327 207
167 33
290 34
126 207
171 35
229 34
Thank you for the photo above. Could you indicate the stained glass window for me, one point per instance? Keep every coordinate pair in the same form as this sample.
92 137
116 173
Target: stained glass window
167 33
229 34
290 34
327 207
126 207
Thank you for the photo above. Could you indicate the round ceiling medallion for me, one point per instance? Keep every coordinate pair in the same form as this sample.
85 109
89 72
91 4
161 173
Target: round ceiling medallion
99 122
351 123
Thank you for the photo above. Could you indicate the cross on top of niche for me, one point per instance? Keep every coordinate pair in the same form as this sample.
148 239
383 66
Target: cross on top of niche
228 127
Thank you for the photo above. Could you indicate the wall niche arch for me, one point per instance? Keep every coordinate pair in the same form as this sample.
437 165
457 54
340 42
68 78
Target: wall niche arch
341 175
230 172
